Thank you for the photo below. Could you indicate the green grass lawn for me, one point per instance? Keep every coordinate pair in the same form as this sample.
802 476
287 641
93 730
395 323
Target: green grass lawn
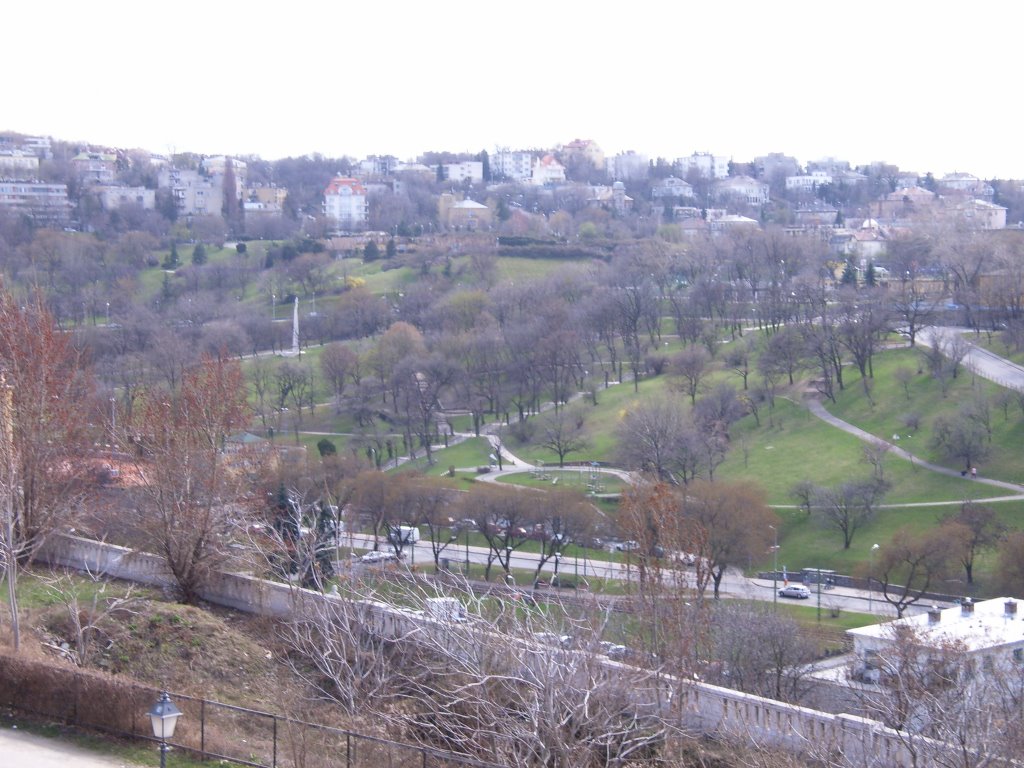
473 452
808 543
792 445
889 402
601 422
581 480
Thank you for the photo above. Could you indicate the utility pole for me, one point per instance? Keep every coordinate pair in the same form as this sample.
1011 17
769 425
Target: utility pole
775 569
819 595
871 571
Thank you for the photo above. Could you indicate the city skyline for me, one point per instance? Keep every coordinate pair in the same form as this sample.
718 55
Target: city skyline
902 83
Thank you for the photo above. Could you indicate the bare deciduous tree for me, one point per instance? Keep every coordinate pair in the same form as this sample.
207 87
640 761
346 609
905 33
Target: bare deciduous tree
848 506
563 432
188 489
909 564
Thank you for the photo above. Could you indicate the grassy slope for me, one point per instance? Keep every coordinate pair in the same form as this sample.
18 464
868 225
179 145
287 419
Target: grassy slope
881 415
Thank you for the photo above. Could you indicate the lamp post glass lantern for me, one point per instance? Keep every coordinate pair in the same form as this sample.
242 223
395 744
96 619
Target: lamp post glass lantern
164 717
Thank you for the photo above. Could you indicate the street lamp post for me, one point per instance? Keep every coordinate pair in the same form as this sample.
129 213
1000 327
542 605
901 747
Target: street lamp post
273 307
108 313
113 417
871 571
451 540
775 568
819 595
509 578
164 717
467 553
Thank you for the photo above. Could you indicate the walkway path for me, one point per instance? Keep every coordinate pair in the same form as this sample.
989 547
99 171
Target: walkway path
977 360
21 748
814 406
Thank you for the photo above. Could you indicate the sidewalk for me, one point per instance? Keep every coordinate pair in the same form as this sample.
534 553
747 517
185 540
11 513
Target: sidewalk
20 748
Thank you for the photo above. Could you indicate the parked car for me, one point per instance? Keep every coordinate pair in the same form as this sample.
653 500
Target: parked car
613 650
376 556
626 546
550 638
796 591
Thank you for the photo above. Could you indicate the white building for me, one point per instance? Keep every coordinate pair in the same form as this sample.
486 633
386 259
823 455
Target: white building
809 182
378 165
95 167
39 145
981 214
194 195
744 189
113 198
961 182
16 164
707 165
215 166
47 203
671 187
546 171
468 170
989 633
515 165
628 166
345 202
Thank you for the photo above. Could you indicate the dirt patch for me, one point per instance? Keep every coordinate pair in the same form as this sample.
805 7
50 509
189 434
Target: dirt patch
180 647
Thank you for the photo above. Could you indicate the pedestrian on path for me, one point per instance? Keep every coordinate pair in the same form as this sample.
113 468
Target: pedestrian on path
974 473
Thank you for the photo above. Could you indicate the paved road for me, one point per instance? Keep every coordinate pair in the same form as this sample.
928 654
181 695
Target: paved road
978 360
734 584
20 748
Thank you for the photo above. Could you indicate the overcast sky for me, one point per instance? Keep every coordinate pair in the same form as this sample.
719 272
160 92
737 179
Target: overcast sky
911 83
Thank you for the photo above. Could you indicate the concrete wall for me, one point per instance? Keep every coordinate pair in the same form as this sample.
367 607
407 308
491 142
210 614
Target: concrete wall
844 739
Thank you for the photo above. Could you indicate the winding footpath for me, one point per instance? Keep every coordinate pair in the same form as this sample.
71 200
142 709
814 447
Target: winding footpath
979 361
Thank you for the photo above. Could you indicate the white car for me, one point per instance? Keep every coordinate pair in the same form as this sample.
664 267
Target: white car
796 591
376 556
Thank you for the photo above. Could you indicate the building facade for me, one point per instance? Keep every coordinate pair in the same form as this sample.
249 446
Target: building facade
45 203
515 165
17 164
194 194
112 198
345 202
707 165
469 170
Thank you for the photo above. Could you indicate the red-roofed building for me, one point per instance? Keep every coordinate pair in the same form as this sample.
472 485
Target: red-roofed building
547 171
345 202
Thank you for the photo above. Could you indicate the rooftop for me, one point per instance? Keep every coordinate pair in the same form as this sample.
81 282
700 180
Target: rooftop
987 624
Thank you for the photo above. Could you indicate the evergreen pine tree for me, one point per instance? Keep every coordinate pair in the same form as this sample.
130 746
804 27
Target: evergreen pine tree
849 275
171 260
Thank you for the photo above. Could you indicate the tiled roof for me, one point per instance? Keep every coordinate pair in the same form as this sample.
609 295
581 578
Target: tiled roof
339 182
